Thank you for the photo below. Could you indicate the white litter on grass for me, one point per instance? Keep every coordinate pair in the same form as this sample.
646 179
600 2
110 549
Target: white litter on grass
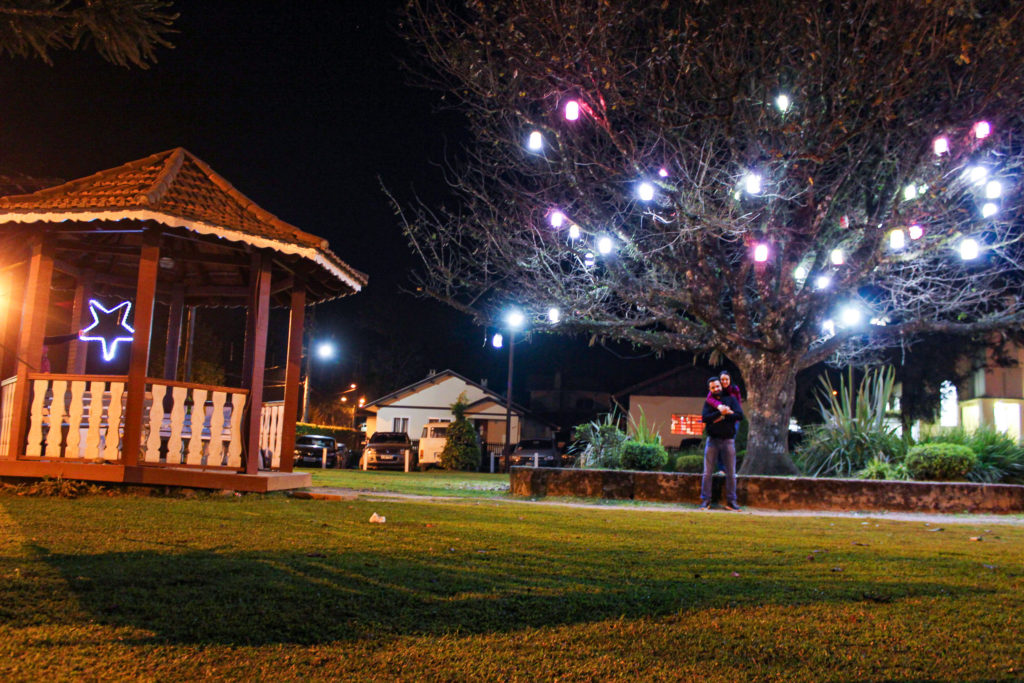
377 519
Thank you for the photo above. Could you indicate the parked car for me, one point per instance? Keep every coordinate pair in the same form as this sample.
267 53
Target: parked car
309 450
536 453
432 440
387 450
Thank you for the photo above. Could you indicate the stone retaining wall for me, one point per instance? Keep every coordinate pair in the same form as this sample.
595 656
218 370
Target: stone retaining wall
780 493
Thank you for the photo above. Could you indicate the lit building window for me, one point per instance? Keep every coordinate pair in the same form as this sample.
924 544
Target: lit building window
687 425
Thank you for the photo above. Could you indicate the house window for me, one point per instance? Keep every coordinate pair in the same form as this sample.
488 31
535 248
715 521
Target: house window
400 424
687 425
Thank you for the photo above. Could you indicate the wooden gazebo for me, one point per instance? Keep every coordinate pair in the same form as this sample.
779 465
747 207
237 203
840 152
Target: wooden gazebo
164 229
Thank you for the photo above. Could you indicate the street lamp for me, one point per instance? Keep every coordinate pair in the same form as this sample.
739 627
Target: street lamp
514 319
325 350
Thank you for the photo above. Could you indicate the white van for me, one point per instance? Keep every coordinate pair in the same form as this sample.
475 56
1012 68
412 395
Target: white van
432 442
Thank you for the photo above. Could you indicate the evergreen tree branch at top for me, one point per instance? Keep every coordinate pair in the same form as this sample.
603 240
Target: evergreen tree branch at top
123 32
777 181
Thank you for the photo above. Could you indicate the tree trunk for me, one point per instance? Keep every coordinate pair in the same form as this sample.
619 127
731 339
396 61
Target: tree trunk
771 386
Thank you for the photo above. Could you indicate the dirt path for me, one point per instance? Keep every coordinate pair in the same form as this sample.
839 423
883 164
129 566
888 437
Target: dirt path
331 493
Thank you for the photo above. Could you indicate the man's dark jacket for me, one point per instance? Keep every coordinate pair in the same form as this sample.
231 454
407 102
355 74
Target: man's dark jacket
724 428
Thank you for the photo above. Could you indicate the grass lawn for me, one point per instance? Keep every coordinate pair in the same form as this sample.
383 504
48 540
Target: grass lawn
429 483
274 588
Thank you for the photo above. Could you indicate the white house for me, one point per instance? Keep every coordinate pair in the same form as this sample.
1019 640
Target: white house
410 408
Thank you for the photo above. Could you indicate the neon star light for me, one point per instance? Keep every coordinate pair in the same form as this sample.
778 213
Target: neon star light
109 327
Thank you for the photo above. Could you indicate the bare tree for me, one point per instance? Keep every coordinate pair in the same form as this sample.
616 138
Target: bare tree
774 181
124 32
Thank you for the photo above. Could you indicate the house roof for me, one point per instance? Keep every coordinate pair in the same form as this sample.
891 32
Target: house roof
438 377
683 380
178 190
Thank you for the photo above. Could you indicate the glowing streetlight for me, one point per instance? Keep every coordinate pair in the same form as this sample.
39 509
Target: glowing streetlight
325 350
514 319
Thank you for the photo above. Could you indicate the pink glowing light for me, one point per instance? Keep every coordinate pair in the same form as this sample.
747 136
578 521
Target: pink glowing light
982 130
915 231
761 253
572 110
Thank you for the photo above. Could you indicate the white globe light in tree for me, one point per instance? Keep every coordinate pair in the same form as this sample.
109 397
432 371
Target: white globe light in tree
605 245
557 218
574 232
783 103
897 240
645 191
572 110
761 253
535 141
915 232
982 130
941 145
752 183
554 315
969 249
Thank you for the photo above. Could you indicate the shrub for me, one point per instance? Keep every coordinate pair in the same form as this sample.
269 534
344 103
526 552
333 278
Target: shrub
461 447
855 430
601 443
1000 458
692 463
881 469
643 456
940 461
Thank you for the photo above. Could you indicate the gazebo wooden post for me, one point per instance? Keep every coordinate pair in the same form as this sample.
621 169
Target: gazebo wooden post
10 317
296 322
145 294
173 348
30 341
77 350
255 355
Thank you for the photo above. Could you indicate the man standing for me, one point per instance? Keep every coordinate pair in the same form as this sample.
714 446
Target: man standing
720 424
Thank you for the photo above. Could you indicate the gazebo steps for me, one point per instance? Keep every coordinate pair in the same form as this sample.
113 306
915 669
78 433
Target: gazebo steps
112 473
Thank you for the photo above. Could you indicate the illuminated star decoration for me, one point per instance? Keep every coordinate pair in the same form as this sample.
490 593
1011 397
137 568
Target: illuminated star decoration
109 327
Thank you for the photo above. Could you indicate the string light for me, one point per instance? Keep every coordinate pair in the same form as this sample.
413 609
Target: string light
557 218
822 282
663 172
993 190
589 260
977 174
554 315
574 232
982 130
535 142
645 191
837 257
800 273
910 192
604 244
941 145
752 183
497 340
969 249
783 103
761 253
572 110
989 209
915 231
896 240
850 316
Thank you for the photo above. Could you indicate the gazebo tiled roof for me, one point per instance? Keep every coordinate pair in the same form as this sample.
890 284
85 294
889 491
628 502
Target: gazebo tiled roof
178 190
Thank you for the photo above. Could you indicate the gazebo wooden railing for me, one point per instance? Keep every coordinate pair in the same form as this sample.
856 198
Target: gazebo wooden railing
89 413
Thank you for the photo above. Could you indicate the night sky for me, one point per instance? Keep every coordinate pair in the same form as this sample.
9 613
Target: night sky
305 109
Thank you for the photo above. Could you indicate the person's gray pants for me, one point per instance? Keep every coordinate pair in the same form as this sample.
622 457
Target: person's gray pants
726 448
